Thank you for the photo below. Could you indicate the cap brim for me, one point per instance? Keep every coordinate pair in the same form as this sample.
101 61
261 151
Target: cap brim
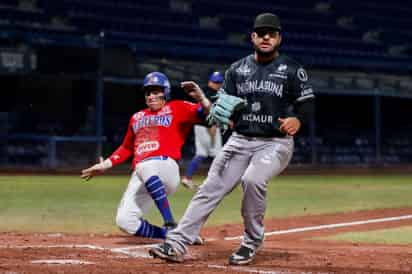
267 27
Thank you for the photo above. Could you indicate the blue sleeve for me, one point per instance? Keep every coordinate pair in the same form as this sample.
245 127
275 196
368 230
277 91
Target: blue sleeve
201 114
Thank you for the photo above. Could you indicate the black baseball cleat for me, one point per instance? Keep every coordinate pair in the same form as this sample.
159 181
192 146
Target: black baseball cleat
243 256
199 241
166 252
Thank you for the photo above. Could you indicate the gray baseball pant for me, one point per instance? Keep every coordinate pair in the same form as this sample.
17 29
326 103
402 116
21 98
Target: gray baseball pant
253 161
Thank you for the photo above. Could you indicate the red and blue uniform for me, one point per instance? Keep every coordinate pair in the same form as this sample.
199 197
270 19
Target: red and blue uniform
155 139
160 133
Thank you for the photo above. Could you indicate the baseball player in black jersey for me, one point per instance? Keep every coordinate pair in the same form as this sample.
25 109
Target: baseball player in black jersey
277 100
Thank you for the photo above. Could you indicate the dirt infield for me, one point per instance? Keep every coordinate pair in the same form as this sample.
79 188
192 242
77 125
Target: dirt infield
287 251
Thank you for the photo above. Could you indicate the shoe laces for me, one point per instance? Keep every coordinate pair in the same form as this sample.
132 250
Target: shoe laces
168 249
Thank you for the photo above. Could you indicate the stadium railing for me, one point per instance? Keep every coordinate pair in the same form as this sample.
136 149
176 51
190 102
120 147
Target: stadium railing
51 152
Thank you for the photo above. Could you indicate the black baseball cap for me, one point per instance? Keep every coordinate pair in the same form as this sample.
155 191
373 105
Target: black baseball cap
267 20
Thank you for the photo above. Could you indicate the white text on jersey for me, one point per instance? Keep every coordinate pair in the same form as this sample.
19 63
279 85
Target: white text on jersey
258 118
147 147
260 86
152 120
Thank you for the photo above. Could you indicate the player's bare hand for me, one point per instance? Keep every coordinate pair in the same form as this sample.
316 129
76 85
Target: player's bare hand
94 170
290 125
193 90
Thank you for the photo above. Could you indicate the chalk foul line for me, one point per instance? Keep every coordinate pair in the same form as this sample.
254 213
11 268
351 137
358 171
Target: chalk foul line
330 226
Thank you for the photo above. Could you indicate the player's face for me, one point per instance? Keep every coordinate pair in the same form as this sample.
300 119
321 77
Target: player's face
266 41
155 97
214 86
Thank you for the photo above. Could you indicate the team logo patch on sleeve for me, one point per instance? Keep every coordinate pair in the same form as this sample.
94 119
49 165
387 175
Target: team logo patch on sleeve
302 75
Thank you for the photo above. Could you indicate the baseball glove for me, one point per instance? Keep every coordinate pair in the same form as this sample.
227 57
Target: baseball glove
223 108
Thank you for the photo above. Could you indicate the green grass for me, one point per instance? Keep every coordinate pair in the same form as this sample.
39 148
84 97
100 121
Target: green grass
68 204
402 235
324 194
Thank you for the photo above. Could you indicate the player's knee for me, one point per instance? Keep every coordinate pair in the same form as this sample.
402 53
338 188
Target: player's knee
171 185
127 224
122 222
250 180
253 184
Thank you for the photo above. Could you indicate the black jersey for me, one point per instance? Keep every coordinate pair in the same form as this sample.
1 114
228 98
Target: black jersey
272 90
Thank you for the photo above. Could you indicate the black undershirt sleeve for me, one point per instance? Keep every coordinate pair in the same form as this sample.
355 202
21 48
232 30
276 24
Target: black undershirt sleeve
304 110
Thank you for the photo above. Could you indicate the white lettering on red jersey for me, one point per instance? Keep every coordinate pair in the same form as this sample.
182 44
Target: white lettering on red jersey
147 147
160 133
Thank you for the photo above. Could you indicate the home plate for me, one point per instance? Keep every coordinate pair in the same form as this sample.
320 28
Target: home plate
60 262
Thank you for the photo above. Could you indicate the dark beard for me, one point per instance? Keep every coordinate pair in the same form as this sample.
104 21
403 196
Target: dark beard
266 54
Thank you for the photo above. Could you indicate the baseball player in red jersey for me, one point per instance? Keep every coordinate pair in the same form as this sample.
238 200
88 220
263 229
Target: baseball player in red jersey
154 138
